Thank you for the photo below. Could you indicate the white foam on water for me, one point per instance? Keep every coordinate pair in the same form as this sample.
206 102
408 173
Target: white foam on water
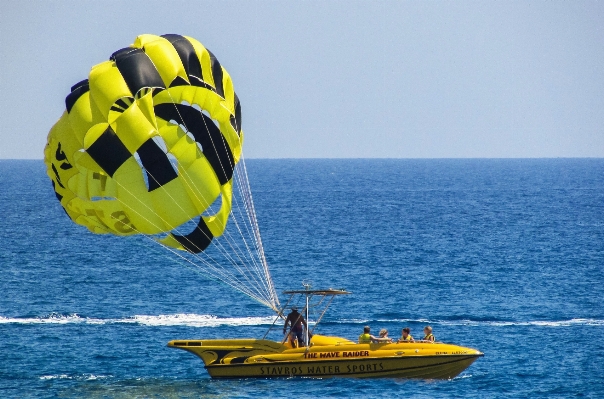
537 323
195 320
83 377
55 377
190 320
51 319
468 322
561 323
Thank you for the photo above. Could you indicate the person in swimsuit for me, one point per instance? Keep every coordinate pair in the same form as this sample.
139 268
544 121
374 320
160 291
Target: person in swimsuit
296 321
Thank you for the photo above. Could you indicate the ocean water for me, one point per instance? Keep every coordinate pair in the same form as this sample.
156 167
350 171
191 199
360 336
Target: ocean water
501 255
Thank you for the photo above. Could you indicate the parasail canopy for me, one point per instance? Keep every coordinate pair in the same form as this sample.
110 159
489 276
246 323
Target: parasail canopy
151 144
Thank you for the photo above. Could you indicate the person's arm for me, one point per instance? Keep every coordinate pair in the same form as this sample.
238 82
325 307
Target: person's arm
285 325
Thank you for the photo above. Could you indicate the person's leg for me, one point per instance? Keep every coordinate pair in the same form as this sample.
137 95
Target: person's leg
300 337
293 339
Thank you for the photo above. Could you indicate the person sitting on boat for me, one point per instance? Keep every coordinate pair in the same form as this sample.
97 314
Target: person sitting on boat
428 334
295 319
366 337
383 337
406 337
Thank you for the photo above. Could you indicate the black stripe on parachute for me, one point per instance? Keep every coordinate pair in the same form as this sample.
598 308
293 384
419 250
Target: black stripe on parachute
137 69
187 54
217 74
54 187
206 133
198 240
178 81
109 151
156 164
77 91
236 119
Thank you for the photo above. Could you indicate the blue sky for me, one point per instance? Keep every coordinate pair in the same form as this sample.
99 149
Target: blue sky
340 79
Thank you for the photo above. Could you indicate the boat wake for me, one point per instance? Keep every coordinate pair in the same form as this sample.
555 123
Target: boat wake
494 323
189 320
209 321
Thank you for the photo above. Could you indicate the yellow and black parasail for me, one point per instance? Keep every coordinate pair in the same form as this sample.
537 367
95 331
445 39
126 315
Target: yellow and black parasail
149 142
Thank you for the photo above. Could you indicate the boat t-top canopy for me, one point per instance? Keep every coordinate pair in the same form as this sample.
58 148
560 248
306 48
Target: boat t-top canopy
329 291
313 300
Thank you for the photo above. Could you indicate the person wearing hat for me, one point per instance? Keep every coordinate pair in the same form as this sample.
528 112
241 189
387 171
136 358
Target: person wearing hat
296 321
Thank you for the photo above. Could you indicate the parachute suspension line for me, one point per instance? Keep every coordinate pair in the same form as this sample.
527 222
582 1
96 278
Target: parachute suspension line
243 184
227 237
220 273
195 267
244 189
254 222
256 249
255 275
227 255
253 262
217 275
227 234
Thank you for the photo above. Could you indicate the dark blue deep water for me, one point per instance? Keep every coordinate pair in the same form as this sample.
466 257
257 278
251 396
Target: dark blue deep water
502 255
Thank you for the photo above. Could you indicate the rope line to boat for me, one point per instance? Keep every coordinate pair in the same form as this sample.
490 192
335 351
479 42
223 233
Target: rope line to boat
227 237
256 285
214 270
258 238
195 267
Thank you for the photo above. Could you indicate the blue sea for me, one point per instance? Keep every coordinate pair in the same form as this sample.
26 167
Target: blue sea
502 255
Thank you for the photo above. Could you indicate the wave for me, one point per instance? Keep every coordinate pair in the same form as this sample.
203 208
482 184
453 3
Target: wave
209 321
495 323
189 320
82 377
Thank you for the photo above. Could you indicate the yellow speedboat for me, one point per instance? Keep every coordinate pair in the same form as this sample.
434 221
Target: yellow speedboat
328 356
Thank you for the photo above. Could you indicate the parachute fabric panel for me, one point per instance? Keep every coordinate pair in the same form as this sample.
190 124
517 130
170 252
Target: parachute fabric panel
205 133
150 142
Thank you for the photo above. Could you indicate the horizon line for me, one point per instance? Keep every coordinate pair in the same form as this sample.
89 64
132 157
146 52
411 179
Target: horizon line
367 158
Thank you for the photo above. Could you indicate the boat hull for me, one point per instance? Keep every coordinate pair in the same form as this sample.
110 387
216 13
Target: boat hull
329 357
429 367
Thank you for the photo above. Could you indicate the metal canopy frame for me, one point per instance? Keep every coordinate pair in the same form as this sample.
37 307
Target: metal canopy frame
314 300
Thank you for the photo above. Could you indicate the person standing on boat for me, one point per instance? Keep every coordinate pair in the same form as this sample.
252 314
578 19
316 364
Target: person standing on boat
296 321
406 337
428 334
